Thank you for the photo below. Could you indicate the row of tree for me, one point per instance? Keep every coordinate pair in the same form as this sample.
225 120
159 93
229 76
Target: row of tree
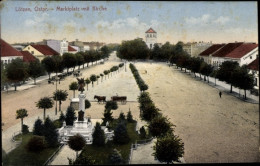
18 71
140 82
137 49
229 72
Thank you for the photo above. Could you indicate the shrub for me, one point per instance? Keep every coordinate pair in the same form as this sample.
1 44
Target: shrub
50 133
107 116
121 135
83 159
115 157
129 116
98 136
77 142
111 105
121 116
62 117
87 104
142 132
36 144
25 129
38 128
70 116
160 126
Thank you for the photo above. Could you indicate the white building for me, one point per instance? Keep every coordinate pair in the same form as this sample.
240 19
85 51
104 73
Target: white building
254 69
61 46
150 38
195 48
8 53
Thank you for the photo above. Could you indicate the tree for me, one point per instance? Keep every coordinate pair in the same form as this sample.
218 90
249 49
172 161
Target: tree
20 114
70 116
105 51
62 117
156 52
4 79
44 103
38 127
105 72
168 149
35 69
166 51
80 59
69 61
87 82
87 104
86 57
142 132
159 126
226 72
243 80
121 116
93 78
76 143
73 86
107 116
97 78
129 116
60 95
50 133
58 63
101 75
16 71
115 158
111 105
120 134
98 135
36 144
49 65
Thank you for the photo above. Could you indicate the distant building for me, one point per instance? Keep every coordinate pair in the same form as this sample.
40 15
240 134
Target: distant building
194 49
150 38
18 47
254 69
86 46
40 51
73 49
243 53
8 53
27 56
60 46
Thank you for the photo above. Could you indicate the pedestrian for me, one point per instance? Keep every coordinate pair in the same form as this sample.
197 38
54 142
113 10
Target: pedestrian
220 94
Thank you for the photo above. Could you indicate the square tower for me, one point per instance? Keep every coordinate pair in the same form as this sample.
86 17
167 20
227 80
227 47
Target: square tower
150 38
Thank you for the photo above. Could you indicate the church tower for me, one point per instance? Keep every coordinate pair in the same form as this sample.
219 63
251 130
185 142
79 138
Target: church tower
150 38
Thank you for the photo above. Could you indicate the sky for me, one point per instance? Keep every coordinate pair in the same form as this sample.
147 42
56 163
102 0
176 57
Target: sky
219 22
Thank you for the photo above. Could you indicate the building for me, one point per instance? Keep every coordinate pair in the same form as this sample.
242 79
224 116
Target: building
8 53
150 38
86 46
243 53
60 46
254 69
27 56
40 51
73 49
194 49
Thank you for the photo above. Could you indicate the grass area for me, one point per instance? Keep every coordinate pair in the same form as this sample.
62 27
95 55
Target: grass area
20 156
101 154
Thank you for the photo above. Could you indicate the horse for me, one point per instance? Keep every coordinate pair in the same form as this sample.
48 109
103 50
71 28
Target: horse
100 98
119 98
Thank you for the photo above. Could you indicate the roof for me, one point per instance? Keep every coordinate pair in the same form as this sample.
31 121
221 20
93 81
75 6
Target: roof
150 31
8 50
71 48
27 56
254 65
45 50
242 50
226 49
211 49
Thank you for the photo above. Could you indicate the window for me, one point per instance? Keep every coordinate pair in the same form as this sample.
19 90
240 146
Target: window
32 52
250 57
28 48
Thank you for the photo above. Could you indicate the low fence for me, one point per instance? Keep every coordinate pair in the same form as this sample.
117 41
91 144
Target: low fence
50 159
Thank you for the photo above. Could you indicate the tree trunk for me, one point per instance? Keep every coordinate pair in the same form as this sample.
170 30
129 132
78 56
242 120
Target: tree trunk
200 77
76 154
44 114
230 88
73 69
97 82
34 81
245 93
208 79
49 76
215 81
73 93
185 70
87 87
21 124
92 83
60 105
83 65
195 74
87 64
67 70
15 86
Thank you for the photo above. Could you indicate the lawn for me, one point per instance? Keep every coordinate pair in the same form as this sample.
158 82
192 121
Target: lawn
101 154
20 156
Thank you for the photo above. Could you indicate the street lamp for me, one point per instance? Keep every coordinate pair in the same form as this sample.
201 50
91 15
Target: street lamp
56 79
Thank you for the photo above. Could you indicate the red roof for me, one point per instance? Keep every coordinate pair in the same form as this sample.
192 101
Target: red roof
226 49
8 50
211 49
27 56
71 48
254 65
150 31
45 50
242 50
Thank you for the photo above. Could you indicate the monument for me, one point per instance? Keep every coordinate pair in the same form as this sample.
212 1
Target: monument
82 125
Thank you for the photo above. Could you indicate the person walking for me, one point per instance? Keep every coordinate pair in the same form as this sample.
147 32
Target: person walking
220 94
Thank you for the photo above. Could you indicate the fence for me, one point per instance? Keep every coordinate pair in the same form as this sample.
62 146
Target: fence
50 159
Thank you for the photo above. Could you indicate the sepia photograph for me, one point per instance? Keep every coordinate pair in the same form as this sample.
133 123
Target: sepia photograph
129 82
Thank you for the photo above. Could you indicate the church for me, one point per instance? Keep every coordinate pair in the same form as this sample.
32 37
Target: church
150 38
